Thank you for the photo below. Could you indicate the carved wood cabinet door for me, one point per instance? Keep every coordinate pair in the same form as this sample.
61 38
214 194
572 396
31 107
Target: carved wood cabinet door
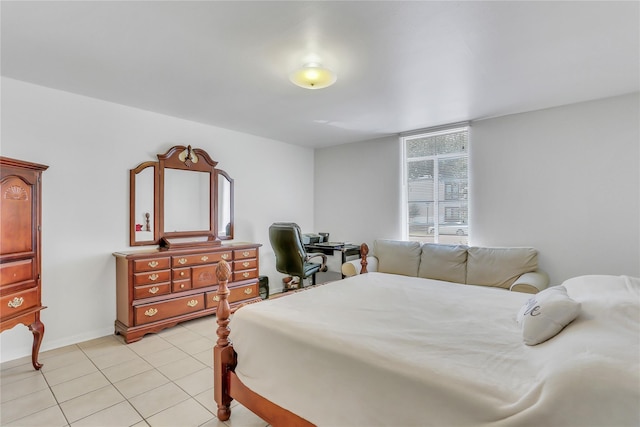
20 217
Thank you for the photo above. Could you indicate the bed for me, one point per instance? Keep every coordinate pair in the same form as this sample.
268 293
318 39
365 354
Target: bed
388 350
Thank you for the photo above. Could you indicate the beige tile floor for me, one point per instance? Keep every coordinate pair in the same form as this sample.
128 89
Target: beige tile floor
166 379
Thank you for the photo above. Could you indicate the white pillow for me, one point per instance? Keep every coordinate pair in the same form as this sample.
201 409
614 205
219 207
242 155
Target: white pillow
546 314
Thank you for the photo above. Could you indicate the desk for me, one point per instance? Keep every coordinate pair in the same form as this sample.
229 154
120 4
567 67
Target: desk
346 251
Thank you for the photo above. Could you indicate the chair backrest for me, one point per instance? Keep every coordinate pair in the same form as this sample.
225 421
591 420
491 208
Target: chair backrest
286 241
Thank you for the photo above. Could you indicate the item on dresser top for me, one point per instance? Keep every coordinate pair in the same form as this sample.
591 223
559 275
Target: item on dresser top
510 268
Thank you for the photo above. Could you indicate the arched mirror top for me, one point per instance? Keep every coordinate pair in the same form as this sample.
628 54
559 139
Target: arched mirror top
192 199
187 158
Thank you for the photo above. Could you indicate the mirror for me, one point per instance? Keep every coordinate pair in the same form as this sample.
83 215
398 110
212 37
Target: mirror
182 200
187 205
225 205
142 228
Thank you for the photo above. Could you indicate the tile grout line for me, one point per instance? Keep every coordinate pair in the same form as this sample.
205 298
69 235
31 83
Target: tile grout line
55 398
114 386
110 383
155 368
192 397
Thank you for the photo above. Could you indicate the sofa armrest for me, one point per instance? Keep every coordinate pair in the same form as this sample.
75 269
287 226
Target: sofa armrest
531 283
353 267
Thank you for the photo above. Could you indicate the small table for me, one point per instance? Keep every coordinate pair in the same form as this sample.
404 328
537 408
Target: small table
346 250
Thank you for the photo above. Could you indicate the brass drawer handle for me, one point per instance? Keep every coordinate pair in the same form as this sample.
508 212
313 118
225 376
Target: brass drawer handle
245 264
192 303
246 274
153 276
245 253
216 298
224 256
248 291
154 290
182 273
153 264
182 261
182 286
204 258
151 312
16 302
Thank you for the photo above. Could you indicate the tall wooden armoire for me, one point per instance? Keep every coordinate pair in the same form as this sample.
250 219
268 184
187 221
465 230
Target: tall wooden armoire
20 228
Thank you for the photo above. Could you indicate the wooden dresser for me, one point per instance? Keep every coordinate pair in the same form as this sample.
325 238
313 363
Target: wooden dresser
20 259
157 289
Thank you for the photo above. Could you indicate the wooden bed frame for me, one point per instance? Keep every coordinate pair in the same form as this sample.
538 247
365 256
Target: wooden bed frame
226 384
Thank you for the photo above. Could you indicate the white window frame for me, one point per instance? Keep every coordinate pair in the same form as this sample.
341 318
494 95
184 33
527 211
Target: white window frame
458 127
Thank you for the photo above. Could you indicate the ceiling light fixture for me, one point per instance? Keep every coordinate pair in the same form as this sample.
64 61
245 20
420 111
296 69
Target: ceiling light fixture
313 76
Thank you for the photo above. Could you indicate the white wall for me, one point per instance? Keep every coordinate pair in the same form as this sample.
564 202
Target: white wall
357 193
564 180
90 145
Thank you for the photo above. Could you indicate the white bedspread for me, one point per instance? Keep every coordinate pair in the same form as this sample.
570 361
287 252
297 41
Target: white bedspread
379 349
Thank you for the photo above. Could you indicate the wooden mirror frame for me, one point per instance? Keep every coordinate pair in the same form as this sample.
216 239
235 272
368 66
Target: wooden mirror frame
228 233
133 219
184 158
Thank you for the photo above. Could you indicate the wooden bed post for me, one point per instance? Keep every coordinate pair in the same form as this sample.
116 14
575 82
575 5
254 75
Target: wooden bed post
226 382
364 251
224 358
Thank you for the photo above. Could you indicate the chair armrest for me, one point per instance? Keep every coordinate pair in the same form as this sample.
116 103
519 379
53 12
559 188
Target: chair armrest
323 267
531 283
353 267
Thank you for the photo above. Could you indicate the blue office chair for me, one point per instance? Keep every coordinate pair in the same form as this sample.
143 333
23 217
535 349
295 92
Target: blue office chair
291 256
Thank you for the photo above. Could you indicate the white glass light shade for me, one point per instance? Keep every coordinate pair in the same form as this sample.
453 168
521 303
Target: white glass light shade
313 76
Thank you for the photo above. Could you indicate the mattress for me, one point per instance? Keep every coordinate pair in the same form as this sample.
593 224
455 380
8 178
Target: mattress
381 349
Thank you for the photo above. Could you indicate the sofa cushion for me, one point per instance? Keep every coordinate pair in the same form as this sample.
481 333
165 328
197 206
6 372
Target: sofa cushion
397 257
444 262
499 266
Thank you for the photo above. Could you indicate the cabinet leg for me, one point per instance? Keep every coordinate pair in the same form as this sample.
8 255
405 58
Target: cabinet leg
37 328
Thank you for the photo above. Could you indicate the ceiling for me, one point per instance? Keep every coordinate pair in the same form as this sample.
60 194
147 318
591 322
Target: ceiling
401 65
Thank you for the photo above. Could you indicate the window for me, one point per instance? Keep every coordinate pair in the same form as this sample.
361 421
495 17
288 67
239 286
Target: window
437 184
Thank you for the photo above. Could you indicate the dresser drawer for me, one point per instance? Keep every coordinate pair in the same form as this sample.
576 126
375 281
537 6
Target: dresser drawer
151 264
205 258
245 253
181 274
212 299
243 292
153 312
204 276
149 291
180 285
16 272
245 275
245 264
236 294
18 302
151 277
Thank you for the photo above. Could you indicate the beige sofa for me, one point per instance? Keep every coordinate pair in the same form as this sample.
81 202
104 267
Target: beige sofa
515 269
